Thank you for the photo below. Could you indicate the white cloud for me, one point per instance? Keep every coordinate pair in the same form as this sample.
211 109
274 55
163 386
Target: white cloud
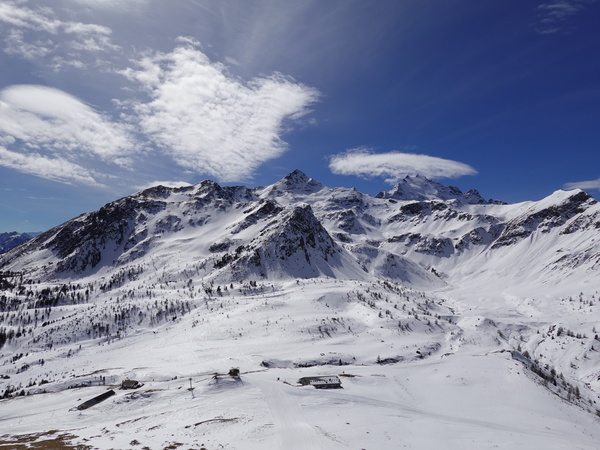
111 4
43 19
52 120
37 33
209 121
17 15
560 9
188 109
41 126
554 14
55 169
16 44
394 166
585 185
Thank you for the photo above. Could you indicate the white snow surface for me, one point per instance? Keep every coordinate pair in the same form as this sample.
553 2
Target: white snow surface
451 322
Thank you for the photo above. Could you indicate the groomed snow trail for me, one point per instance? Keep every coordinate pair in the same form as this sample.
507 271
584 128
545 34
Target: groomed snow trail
294 430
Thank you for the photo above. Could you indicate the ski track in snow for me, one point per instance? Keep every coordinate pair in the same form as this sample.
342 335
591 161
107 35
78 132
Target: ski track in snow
411 411
294 430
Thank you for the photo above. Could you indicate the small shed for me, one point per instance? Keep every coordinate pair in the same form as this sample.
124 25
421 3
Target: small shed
130 384
322 382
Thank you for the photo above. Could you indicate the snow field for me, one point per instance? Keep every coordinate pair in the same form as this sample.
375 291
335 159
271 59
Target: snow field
463 389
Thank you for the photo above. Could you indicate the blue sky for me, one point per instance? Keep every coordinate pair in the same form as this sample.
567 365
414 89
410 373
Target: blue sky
101 98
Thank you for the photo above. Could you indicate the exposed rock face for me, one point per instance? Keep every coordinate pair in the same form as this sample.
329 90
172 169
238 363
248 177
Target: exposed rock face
294 244
544 219
266 209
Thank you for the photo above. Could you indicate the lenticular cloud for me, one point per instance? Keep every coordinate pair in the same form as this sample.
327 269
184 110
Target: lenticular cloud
50 119
394 166
49 133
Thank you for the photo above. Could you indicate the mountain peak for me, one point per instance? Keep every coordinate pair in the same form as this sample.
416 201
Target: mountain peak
420 188
297 174
296 182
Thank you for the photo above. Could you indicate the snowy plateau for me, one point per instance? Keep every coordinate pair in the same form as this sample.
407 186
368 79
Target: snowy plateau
451 321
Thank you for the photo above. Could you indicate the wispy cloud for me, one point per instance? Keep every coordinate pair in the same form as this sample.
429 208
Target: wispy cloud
111 4
17 15
209 121
55 169
394 166
50 119
187 112
585 185
194 113
41 126
34 33
554 15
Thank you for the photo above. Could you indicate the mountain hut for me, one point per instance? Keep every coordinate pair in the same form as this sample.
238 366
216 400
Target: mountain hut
130 384
322 382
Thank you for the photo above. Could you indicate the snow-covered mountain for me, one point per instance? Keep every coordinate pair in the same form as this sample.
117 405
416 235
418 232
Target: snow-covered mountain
298 278
11 239
421 188
299 228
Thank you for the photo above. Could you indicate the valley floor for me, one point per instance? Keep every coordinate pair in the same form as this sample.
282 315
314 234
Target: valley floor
418 370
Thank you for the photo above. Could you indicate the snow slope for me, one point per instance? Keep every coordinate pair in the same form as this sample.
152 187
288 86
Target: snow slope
451 321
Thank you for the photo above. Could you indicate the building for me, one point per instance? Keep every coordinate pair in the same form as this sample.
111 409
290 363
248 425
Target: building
96 400
322 382
130 384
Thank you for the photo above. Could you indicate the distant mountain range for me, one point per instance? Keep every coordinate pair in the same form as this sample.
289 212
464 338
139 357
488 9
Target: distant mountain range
420 232
11 239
